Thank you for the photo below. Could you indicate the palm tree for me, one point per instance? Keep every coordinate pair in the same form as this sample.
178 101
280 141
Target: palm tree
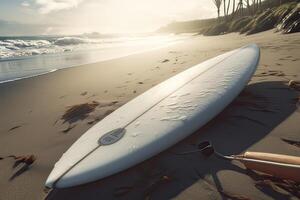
224 8
233 6
228 6
218 5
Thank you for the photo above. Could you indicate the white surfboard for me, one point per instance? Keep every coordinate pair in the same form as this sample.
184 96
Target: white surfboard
156 120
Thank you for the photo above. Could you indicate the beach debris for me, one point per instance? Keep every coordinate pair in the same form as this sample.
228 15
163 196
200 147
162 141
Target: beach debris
70 127
28 160
84 93
284 187
15 127
25 160
79 112
294 85
291 142
140 82
165 60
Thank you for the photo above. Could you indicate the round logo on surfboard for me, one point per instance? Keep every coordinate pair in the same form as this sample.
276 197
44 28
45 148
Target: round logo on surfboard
112 136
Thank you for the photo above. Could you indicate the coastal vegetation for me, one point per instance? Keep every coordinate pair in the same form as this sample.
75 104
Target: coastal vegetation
244 17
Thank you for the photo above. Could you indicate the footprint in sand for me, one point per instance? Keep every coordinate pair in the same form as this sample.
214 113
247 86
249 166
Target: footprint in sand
270 73
91 96
84 93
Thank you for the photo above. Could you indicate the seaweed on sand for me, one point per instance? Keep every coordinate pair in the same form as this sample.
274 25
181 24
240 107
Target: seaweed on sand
285 188
291 142
79 112
27 161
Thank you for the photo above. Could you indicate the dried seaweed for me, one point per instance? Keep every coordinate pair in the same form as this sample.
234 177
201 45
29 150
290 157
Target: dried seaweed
25 160
15 127
79 112
284 187
28 160
291 142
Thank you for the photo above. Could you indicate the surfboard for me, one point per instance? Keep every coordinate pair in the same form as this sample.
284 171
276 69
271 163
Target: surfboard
156 119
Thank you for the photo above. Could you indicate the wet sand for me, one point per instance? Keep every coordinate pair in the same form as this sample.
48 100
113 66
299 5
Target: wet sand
265 113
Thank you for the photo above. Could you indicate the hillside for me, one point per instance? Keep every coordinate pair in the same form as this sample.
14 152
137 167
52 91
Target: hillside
285 17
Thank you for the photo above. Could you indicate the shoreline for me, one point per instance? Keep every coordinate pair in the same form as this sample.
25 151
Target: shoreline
62 60
33 107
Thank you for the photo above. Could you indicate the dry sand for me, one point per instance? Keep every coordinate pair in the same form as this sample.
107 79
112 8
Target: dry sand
266 111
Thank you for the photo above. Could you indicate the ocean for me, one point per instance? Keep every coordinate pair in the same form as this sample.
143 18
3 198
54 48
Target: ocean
28 56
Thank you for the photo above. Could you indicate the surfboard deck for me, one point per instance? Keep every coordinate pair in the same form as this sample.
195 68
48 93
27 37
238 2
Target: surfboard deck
156 119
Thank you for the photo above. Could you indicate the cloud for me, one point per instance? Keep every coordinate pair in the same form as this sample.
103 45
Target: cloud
25 4
47 6
9 28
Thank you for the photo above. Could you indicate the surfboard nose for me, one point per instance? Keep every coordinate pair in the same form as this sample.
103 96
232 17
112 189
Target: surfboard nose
53 182
49 182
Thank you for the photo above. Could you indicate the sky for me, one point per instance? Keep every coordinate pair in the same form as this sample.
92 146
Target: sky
46 17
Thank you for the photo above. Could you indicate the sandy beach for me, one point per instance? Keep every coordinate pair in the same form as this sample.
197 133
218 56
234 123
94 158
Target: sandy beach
260 119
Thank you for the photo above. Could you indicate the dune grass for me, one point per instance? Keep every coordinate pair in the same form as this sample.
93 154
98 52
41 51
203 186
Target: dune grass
285 17
261 21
